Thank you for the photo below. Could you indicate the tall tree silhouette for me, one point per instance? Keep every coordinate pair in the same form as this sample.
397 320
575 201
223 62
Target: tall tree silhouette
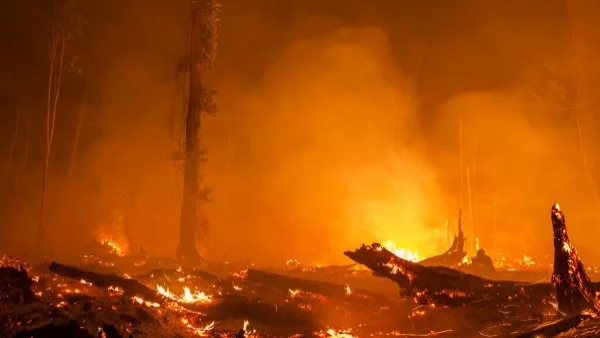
202 48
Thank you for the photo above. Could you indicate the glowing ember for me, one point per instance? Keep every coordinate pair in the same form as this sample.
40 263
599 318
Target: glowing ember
200 331
405 254
333 334
113 234
114 246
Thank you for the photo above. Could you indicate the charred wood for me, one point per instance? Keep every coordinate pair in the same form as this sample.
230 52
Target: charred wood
129 286
331 290
574 289
441 285
255 310
15 284
69 330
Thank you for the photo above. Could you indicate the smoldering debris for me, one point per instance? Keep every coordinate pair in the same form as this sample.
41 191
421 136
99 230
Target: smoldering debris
170 298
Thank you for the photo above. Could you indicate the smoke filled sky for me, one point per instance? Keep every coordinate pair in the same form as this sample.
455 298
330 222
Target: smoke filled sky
339 122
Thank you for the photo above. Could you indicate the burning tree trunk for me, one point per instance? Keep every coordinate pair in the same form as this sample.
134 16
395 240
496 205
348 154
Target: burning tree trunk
574 289
201 55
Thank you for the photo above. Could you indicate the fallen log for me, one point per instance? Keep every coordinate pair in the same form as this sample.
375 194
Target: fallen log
340 292
445 286
257 311
129 286
441 285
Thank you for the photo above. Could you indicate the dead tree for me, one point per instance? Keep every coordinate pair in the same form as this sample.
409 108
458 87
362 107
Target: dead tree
574 289
202 46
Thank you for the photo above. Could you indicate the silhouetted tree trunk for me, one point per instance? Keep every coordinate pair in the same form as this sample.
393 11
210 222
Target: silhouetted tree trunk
13 143
25 157
58 41
77 136
201 55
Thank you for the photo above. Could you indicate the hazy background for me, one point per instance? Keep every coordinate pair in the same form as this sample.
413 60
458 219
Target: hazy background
338 124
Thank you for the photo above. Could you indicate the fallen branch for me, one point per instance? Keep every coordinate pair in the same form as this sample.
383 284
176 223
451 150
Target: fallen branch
129 286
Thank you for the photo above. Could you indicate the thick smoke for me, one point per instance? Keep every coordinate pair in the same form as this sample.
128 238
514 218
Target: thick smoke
328 162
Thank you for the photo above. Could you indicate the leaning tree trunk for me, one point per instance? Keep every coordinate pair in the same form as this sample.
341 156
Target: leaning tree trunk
201 55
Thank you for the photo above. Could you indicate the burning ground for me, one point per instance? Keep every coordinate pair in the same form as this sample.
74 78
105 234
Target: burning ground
112 294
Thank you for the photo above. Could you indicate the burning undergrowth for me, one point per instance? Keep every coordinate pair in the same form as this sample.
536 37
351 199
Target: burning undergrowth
156 300
114 295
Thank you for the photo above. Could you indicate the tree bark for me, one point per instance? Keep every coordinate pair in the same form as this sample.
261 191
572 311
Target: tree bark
201 55
574 289
191 170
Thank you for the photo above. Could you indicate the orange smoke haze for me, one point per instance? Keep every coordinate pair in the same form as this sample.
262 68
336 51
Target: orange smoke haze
333 130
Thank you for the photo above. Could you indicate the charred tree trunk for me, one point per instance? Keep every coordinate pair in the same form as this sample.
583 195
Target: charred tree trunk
201 55
574 289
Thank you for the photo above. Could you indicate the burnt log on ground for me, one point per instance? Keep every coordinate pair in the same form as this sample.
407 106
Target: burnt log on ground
255 310
129 286
445 286
440 285
223 307
340 292
574 290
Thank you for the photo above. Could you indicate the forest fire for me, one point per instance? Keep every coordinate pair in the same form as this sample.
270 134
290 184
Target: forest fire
213 299
403 253
193 168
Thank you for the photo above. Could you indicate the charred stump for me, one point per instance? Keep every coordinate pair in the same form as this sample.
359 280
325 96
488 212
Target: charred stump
455 254
574 289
